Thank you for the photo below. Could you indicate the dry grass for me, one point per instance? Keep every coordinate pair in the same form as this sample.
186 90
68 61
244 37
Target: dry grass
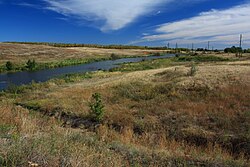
159 117
20 53
31 138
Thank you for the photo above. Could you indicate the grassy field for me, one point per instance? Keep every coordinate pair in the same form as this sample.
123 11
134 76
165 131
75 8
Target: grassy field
51 57
183 111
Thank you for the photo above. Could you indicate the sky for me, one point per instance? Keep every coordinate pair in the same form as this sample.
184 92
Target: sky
127 22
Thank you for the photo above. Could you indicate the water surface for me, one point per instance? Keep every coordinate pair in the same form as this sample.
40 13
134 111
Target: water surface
26 77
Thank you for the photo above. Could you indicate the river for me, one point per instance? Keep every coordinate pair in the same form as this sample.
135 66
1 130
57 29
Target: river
26 77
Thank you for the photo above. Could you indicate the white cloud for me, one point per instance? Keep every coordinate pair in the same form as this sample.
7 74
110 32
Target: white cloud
113 14
218 26
30 5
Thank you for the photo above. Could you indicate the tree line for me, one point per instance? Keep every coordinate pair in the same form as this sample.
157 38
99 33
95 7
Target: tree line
91 45
103 46
234 49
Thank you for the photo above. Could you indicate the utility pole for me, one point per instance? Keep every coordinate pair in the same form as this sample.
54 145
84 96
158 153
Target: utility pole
176 47
192 47
240 40
240 54
208 45
168 45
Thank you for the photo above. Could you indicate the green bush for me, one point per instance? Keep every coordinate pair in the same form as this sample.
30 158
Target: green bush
9 66
96 107
114 56
31 65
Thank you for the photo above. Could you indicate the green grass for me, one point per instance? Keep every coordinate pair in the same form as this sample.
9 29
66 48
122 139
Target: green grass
162 63
70 78
63 63
48 65
145 65
201 59
15 90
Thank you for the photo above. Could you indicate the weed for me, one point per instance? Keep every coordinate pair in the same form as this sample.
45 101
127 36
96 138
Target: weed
97 107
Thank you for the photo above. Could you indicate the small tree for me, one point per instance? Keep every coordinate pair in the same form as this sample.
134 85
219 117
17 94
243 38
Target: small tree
31 64
97 107
9 66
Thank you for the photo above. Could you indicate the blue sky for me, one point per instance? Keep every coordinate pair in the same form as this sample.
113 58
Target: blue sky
132 22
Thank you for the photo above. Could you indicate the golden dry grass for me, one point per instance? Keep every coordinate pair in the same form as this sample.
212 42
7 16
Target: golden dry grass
159 117
20 53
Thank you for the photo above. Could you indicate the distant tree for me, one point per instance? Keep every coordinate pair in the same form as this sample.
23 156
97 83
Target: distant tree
227 50
31 65
233 49
199 49
9 66
246 50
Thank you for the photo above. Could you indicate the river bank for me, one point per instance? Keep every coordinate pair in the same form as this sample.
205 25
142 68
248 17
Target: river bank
46 57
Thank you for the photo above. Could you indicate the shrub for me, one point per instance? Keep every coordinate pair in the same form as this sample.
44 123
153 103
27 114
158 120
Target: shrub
9 66
15 89
114 56
194 54
157 54
97 107
193 70
31 65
